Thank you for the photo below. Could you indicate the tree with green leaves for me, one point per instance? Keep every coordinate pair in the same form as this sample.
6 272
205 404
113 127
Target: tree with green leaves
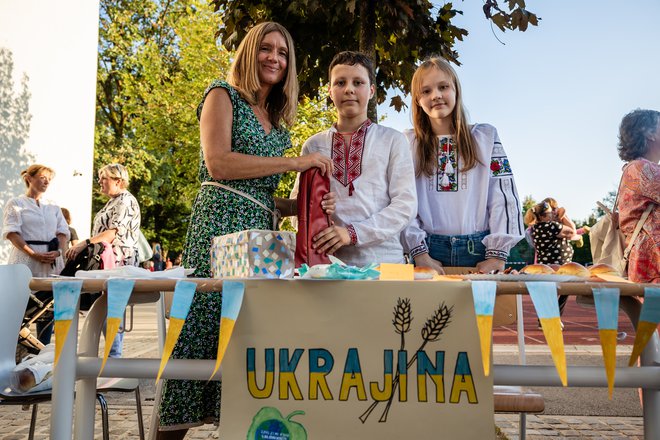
395 33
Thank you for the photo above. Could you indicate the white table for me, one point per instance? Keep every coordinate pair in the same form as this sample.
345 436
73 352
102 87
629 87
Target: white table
84 365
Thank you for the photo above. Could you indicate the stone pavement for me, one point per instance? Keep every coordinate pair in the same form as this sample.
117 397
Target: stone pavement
142 342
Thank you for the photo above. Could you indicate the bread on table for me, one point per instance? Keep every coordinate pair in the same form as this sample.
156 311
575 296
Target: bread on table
574 269
536 269
603 269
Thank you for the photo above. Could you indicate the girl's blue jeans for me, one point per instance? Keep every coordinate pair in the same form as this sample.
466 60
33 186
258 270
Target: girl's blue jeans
457 250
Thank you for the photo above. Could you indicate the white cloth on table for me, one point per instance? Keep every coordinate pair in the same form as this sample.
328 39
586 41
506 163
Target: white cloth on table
383 201
34 222
486 199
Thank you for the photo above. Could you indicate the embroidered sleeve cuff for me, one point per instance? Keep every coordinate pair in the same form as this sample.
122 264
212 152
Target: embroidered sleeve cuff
500 255
352 234
421 249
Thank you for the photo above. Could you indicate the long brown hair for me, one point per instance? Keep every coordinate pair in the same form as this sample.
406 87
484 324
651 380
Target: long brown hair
282 101
427 141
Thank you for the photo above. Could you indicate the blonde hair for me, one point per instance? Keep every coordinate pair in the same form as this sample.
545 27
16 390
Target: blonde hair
534 213
427 141
115 171
282 101
33 170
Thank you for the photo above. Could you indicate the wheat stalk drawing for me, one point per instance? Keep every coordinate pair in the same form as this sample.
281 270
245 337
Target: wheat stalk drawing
431 332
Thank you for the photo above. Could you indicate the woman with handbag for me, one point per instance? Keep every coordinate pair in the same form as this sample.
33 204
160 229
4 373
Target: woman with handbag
117 223
639 192
37 230
243 138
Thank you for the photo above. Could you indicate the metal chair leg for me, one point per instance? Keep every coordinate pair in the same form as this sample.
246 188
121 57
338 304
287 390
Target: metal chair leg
138 404
523 426
33 421
104 415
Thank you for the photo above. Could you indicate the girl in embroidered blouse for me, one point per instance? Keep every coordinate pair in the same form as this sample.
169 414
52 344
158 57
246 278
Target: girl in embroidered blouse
468 207
639 145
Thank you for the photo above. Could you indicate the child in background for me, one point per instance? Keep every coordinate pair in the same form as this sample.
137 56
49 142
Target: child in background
551 232
469 212
373 171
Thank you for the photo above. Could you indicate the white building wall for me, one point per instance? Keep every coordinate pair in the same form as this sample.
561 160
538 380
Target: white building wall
55 43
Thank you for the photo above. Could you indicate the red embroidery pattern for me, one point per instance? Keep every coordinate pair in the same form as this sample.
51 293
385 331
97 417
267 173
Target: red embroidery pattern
347 160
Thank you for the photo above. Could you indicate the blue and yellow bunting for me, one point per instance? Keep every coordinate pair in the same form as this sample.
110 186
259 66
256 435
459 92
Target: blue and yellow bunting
232 299
483 293
119 291
648 322
544 297
65 294
607 311
184 292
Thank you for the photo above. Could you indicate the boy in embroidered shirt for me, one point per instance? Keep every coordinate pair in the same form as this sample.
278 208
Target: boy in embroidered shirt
373 176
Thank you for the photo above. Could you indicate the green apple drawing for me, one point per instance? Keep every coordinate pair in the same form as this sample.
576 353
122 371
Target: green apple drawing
268 424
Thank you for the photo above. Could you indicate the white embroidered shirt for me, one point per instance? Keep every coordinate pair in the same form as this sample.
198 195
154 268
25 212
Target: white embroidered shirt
383 199
461 203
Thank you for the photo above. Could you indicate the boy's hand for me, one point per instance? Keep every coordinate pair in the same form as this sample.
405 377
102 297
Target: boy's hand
303 163
329 203
331 239
425 260
490 265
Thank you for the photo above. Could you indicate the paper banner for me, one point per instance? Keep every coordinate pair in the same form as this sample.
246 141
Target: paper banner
232 298
397 272
648 322
119 291
544 297
607 311
483 293
184 291
65 294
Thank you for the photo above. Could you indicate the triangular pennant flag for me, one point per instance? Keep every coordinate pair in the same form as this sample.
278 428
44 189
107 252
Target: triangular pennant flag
232 298
184 292
397 272
648 322
544 297
65 295
483 293
607 311
119 292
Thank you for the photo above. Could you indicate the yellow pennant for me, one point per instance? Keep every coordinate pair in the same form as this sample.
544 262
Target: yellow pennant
555 339
232 299
173 331
608 344
61 330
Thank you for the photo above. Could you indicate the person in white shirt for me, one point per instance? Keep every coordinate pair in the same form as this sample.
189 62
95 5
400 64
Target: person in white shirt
373 174
469 211
38 232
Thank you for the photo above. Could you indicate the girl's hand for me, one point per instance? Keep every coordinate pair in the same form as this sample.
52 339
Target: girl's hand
490 265
331 239
329 203
425 260
303 163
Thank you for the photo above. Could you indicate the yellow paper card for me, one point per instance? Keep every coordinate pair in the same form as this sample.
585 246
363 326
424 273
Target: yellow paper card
613 279
397 272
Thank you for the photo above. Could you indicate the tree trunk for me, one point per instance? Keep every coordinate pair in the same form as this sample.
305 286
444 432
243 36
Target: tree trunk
368 43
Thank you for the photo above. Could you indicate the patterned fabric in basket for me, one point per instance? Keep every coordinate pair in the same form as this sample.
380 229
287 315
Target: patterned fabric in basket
254 254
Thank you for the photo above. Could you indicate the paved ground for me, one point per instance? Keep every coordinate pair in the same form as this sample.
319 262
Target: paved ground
570 413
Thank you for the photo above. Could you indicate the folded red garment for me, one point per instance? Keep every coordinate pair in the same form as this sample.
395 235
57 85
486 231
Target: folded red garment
311 218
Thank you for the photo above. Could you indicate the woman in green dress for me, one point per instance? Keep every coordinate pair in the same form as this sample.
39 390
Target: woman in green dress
243 140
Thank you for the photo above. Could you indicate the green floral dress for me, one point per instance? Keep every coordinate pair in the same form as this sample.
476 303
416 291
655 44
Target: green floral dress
189 403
